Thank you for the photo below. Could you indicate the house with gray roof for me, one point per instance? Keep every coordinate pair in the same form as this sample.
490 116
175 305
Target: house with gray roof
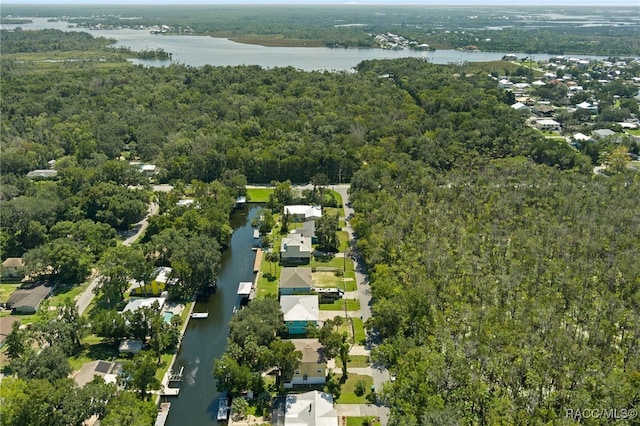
295 280
27 301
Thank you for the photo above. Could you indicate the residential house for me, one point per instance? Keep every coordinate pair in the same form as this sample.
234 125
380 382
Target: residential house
137 303
310 409
149 169
308 229
42 174
295 281
302 213
602 133
130 346
295 249
160 279
27 301
519 106
299 312
313 365
13 267
547 124
107 370
544 110
505 84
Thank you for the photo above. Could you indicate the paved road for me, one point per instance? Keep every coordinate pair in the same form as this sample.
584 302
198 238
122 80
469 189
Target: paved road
380 375
85 298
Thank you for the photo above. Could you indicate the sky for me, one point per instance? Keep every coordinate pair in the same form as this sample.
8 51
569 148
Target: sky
378 2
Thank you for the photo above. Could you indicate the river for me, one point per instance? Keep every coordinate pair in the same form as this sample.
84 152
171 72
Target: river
205 339
199 50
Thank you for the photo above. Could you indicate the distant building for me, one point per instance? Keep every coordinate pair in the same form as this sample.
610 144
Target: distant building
13 267
547 124
137 303
42 174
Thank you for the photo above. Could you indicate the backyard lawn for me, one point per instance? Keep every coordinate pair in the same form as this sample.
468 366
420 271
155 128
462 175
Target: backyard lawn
347 390
362 421
259 195
338 305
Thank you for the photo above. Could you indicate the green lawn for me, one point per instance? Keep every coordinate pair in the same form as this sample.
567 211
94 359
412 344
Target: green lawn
635 132
355 361
358 327
259 195
362 421
6 290
343 237
338 305
347 395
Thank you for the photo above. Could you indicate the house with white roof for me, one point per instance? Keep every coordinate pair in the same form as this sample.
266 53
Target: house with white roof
295 248
310 409
547 124
302 213
137 303
299 312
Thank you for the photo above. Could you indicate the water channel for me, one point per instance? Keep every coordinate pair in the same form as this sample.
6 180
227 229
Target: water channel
201 50
205 339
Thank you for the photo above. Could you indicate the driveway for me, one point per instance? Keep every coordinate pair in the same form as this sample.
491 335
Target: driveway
84 300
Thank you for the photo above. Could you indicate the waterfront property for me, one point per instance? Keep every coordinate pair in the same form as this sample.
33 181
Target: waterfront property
312 369
299 312
301 213
310 409
160 279
107 370
295 249
295 280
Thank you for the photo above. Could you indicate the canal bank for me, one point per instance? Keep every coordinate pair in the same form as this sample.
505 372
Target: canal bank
205 339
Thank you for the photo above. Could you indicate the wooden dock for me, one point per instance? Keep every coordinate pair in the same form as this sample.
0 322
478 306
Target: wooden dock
258 261
163 413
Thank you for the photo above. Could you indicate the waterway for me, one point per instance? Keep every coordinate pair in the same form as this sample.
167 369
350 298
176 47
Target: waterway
205 339
199 50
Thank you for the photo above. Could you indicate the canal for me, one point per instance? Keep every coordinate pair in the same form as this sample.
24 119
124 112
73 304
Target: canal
205 339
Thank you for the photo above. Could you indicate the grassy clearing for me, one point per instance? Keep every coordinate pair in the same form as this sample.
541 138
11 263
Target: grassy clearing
94 348
338 305
259 195
328 279
358 327
355 361
343 237
6 290
347 390
363 421
62 293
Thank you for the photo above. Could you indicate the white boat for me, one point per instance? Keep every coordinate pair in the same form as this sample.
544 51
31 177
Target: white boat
223 408
200 315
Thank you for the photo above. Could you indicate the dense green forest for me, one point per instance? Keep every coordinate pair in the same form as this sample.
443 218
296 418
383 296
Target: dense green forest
504 273
555 30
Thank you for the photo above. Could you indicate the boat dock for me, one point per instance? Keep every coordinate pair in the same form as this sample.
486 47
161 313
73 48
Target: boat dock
163 413
258 262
